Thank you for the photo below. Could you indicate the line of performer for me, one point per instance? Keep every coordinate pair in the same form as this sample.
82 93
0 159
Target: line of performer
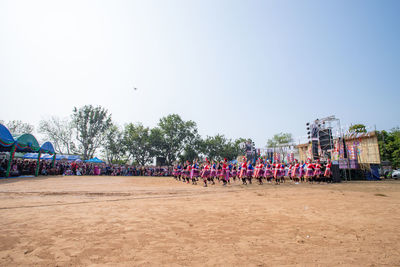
263 170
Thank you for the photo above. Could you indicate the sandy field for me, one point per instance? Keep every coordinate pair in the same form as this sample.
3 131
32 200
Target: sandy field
137 221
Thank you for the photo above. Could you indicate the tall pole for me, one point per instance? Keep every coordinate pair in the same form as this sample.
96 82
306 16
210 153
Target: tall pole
331 145
12 152
38 163
53 161
341 137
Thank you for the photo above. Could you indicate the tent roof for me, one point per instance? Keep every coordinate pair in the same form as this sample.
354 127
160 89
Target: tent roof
94 160
6 139
33 156
48 156
69 157
47 148
27 143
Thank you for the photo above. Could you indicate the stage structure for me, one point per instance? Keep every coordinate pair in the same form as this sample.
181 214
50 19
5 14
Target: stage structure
321 135
249 149
347 151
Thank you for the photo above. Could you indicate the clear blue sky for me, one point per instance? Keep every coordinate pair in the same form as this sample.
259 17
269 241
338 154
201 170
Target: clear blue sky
239 68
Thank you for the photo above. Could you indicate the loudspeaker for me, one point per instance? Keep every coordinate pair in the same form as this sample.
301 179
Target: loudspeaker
249 147
325 138
314 131
336 173
314 145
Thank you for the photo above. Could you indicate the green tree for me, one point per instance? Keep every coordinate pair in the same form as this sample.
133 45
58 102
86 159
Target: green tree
157 141
279 141
219 147
114 147
213 147
175 134
192 148
389 146
232 150
240 148
91 125
357 128
138 143
189 153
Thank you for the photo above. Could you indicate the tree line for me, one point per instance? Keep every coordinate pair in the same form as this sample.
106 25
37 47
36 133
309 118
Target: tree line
90 130
389 146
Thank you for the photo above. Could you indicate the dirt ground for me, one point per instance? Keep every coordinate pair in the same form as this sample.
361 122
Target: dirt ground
137 221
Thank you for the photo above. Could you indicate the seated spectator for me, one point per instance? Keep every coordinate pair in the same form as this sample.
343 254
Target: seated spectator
68 172
44 172
2 171
14 170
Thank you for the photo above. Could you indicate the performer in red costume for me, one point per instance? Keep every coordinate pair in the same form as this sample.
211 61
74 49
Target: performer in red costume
277 170
309 171
243 171
328 172
225 172
258 174
317 170
296 171
250 172
282 171
213 172
188 171
268 174
205 174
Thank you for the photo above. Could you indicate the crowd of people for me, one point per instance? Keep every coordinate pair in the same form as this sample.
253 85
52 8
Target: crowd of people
209 172
262 170
22 167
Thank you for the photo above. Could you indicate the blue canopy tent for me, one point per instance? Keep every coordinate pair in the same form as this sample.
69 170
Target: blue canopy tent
71 157
94 160
48 156
26 143
32 156
47 148
22 143
6 139
35 156
7 143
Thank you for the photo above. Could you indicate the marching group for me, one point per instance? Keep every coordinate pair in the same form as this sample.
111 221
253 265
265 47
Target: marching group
245 172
